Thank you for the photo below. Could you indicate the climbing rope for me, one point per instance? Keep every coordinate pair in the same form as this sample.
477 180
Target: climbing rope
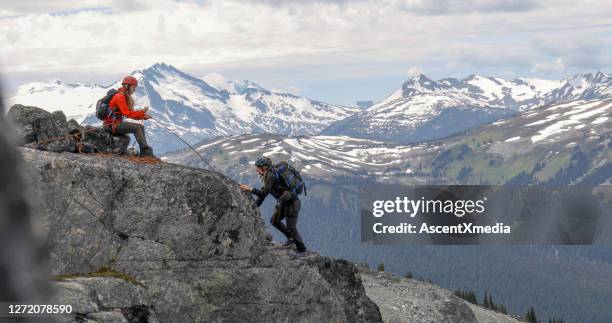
185 142
77 134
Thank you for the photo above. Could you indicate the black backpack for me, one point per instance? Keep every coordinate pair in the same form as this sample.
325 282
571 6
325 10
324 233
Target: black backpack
290 177
103 106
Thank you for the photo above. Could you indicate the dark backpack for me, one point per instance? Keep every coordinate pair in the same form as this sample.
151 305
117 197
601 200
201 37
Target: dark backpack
103 106
290 177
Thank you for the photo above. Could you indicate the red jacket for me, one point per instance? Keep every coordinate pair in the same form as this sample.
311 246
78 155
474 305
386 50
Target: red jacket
120 108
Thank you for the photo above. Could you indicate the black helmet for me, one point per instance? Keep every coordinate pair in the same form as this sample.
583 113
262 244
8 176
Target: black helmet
263 162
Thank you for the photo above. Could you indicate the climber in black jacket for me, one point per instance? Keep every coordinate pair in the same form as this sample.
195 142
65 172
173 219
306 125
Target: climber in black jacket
287 206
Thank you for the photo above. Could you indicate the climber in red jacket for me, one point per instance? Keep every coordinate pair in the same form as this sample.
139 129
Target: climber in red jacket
122 105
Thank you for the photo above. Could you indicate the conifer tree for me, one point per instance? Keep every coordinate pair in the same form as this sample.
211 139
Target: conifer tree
486 303
531 317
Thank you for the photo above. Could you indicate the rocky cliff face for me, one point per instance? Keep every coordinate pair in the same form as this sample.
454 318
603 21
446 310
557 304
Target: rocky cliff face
187 240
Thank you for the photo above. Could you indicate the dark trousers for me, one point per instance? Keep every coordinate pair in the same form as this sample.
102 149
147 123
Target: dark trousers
289 211
136 129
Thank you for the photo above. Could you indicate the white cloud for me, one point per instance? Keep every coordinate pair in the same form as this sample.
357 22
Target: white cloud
414 71
232 34
16 8
579 51
549 67
295 90
441 7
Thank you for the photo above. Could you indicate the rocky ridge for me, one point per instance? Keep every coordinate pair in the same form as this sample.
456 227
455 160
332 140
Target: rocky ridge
189 236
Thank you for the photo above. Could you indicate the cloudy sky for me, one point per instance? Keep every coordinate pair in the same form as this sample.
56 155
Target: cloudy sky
336 51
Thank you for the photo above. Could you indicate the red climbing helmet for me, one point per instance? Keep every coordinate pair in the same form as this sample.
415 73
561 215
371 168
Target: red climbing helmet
130 80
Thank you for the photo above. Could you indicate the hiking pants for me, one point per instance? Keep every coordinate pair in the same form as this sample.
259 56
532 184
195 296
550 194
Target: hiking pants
136 129
288 210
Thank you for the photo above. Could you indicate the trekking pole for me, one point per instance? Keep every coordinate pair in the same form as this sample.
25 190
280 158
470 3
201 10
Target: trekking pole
185 142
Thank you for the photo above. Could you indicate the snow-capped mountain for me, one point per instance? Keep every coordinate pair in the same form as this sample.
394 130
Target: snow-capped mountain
539 142
192 107
424 109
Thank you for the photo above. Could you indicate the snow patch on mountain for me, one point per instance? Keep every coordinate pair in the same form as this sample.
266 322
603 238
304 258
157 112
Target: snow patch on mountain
424 109
577 115
75 100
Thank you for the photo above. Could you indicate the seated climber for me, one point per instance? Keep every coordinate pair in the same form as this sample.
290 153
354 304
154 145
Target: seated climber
122 106
288 203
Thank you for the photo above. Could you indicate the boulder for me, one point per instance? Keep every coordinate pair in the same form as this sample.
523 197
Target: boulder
40 129
103 141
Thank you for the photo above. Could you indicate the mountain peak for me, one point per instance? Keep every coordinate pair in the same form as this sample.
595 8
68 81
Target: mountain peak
160 68
599 76
420 83
474 77
419 78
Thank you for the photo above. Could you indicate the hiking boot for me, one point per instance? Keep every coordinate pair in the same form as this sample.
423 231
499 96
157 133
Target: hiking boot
290 242
146 151
302 254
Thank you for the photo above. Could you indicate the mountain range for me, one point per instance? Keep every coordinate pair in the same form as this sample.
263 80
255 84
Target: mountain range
192 107
540 142
212 106
424 109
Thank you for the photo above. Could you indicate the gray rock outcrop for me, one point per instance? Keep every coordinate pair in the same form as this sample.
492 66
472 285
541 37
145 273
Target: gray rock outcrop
40 129
105 299
193 240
